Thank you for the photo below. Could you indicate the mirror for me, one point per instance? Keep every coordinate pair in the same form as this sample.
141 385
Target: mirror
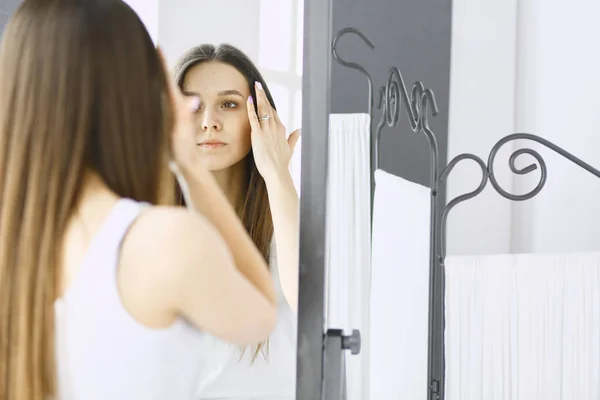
213 47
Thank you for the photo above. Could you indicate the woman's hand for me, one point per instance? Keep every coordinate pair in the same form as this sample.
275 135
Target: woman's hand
272 154
272 151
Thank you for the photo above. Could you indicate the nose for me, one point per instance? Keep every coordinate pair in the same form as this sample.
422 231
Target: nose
210 122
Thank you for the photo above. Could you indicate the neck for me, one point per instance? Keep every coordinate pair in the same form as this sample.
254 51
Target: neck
94 189
232 182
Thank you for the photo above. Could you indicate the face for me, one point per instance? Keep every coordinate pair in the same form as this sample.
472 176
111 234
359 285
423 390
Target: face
222 126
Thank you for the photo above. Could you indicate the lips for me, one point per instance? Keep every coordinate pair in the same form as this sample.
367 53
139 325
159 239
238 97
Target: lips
211 144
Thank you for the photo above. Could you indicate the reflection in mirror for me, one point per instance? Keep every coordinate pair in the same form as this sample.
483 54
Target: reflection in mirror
222 53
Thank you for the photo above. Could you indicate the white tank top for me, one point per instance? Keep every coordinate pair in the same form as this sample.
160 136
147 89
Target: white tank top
226 376
102 352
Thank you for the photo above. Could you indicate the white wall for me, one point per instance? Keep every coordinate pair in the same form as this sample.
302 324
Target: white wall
482 93
147 10
559 78
531 66
188 23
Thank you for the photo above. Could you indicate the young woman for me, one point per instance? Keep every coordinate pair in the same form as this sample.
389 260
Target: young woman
105 294
243 143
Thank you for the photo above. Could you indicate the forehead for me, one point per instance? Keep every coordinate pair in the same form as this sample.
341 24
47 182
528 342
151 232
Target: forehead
213 76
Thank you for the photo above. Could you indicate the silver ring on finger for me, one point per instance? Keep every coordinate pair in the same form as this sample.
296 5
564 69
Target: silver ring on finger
264 117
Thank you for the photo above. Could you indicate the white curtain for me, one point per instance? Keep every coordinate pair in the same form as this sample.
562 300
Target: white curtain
523 327
348 237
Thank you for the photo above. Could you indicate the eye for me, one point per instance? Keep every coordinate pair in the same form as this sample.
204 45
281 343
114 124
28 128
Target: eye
229 104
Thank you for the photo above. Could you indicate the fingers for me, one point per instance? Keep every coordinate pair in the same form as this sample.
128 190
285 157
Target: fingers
293 139
254 123
193 103
263 105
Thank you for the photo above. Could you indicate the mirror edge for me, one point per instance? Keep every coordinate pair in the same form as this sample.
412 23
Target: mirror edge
315 125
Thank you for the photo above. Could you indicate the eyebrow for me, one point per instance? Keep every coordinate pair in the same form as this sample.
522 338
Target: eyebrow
221 93
230 92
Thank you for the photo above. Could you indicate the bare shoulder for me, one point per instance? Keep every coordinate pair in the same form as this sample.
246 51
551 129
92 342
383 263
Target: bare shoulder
172 222
165 237
175 263
164 248
167 221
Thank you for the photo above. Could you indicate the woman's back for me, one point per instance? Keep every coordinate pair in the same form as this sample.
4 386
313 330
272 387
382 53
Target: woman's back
102 351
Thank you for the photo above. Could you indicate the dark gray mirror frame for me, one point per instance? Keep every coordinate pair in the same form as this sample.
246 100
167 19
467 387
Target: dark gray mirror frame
315 125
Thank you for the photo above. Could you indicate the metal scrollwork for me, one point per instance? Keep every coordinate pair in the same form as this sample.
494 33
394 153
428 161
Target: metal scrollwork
541 164
463 197
419 106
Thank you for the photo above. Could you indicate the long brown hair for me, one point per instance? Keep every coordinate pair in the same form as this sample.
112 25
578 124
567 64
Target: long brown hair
256 212
82 88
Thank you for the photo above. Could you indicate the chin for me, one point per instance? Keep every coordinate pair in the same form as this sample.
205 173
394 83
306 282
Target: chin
216 166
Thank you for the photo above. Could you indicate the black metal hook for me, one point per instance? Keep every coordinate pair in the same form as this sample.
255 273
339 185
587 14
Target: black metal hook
351 64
